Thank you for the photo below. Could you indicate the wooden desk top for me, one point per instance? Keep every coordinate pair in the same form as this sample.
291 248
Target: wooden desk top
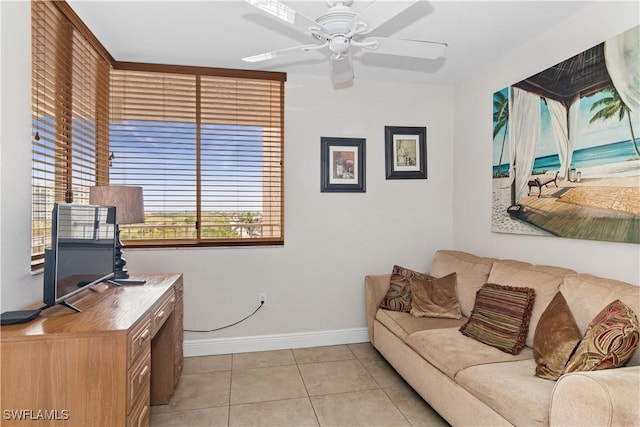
115 309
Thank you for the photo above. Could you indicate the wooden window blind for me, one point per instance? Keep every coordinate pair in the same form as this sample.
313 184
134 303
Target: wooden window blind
207 150
70 89
206 144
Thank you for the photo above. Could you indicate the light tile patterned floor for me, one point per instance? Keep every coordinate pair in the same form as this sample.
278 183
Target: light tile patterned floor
344 385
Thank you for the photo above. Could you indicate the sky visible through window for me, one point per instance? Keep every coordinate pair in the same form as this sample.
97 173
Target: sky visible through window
161 157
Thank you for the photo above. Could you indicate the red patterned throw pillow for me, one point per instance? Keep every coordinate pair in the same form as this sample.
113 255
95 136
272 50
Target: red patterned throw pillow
500 317
398 297
609 342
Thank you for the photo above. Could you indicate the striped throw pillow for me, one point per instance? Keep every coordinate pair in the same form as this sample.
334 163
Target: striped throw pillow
500 317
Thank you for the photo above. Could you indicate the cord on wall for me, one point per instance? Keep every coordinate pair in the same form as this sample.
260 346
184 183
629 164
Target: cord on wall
227 326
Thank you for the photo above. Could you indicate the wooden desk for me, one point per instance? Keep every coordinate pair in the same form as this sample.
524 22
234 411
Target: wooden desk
101 367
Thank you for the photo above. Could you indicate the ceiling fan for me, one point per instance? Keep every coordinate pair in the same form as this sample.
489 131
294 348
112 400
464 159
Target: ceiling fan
341 30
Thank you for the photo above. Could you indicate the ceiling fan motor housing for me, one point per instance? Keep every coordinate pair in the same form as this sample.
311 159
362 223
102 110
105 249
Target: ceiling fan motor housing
337 19
336 22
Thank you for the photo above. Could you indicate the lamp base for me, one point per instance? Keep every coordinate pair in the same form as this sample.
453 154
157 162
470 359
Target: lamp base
121 274
119 266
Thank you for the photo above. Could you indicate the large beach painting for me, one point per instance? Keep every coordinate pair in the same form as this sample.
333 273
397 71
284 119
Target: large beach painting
566 155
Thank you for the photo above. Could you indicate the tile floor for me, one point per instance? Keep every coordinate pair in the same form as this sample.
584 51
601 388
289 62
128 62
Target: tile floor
344 385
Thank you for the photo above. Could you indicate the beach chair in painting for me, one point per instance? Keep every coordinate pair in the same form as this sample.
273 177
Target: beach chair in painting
542 181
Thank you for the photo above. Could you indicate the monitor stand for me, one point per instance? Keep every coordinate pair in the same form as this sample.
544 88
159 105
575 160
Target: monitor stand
70 306
122 282
24 316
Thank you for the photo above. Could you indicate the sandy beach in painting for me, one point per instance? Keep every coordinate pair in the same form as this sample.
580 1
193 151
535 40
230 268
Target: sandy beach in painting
622 174
501 222
626 169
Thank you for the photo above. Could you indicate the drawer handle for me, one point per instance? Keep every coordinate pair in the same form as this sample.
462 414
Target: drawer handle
143 416
172 300
160 315
143 374
143 337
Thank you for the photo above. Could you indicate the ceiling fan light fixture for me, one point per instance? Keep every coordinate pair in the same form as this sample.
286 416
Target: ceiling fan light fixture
339 44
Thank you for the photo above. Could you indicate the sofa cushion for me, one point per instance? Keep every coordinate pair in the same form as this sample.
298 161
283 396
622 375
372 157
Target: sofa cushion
544 279
398 297
500 317
450 351
403 324
586 294
609 342
556 336
433 297
511 390
471 273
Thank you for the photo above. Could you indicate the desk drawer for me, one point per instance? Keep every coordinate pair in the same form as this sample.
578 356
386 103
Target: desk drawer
139 379
139 339
139 415
161 311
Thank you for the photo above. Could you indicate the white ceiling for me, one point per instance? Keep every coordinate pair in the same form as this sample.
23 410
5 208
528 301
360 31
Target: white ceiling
218 33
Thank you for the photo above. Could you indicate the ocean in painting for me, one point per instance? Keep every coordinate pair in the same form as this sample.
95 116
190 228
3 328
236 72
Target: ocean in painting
584 158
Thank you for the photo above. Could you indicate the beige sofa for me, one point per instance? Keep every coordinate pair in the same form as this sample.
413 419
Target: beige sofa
470 383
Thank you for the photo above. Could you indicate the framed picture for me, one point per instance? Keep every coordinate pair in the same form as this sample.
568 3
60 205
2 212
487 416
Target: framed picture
342 166
405 152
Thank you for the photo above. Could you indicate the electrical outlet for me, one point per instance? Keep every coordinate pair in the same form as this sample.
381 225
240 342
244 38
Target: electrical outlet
263 298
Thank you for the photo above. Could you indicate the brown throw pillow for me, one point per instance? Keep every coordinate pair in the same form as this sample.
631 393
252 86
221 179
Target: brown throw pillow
398 297
433 297
500 317
609 342
556 336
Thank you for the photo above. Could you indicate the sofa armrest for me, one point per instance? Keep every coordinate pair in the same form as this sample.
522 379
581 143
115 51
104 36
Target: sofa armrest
375 288
607 397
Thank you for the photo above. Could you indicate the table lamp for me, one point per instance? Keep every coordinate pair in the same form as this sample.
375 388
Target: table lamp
129 205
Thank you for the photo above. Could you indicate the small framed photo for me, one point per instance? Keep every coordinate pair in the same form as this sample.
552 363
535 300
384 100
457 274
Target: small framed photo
405 152
342 168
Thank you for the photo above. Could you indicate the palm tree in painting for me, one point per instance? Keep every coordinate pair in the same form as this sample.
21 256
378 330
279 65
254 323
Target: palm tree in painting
500 120
611 106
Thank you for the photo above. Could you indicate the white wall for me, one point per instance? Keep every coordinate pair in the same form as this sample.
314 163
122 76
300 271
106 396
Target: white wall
472 149
18 287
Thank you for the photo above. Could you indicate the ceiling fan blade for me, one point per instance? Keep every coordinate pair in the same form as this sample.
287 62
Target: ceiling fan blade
285 13
282 52
342 69
413 48
377 13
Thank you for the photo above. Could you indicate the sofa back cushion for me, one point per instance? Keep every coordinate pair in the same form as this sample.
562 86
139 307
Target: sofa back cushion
544 279
587 295
471 272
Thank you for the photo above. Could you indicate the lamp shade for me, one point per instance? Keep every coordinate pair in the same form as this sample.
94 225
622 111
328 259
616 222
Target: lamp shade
128 201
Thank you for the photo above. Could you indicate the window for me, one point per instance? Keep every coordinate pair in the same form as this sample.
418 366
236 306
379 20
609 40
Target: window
205 144
70 84
207 150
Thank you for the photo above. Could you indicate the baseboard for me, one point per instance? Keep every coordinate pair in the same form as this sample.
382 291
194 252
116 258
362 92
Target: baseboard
212 346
